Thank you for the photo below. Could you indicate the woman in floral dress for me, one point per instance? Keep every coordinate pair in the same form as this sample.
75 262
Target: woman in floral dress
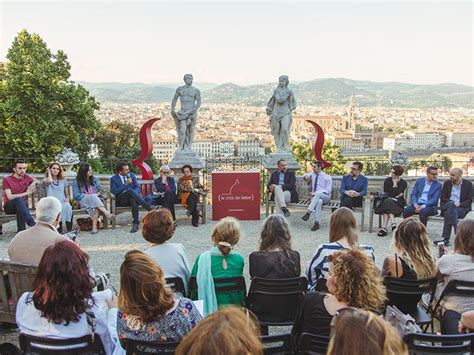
147 309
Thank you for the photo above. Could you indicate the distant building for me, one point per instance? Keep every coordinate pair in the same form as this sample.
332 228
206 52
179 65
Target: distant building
460 139
412 140
249 147
205 148
347 141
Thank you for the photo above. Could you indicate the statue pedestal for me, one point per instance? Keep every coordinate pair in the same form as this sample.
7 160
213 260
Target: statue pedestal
270 162
183 157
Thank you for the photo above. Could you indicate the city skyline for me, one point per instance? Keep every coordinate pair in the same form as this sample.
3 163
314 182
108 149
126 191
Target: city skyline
252 43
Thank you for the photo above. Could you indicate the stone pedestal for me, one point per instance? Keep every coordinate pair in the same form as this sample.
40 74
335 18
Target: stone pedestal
183 157
270 162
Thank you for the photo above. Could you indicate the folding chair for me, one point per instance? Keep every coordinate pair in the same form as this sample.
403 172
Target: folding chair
139 347
176 284
309 343
397 287
277 344
46 346
439 344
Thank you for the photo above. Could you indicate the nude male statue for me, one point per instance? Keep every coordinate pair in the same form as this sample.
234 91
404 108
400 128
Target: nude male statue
185 118
279 109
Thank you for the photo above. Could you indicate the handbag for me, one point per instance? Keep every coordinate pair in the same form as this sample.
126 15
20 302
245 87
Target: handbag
403 323
378 198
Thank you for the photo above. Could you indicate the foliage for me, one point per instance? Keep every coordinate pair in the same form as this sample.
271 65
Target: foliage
119 141
377 167
41 110
441 161
303 154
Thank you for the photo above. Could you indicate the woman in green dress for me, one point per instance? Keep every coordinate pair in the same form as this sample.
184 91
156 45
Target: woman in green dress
219 262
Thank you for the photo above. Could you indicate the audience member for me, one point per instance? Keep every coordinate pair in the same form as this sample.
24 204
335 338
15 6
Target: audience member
125 187
457 266
343 235
358 331
219 262
87 191
321 188
165 190
61 305
230 331
425 196
189 189
147 309
353 187
412 260
456 201
282 186
275 258
16 189
56 185
392 205
158 228
29 245
466 324
353 280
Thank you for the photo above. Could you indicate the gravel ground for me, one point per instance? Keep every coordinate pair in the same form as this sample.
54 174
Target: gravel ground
107 248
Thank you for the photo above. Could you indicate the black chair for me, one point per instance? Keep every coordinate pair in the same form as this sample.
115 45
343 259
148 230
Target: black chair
45 346
455 288
275 301
176 284
412 289
439 344
139 347
221 285
277 344
309 343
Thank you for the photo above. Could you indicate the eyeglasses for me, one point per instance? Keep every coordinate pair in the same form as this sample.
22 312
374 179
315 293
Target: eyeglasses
166 172
354 168
434 174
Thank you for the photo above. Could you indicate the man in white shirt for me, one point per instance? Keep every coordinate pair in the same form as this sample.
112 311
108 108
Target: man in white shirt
321 187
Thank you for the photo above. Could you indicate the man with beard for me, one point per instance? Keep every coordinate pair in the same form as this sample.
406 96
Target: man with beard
282 185
353 187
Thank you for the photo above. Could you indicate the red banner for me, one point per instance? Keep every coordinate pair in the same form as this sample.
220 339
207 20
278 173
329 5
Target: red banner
236 194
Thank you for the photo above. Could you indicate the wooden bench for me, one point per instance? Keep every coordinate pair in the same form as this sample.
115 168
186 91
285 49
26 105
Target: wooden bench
17 278
38 195
304 195
146 187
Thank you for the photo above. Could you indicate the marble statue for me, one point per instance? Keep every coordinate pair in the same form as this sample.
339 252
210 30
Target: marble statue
279 109
185 118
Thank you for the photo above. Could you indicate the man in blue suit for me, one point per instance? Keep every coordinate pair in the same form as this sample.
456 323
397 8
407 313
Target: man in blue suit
425 196
353 187
125 187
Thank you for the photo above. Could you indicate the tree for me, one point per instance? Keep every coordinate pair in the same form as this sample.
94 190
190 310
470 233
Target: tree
303 154
377 167
441 161
118 141
41 110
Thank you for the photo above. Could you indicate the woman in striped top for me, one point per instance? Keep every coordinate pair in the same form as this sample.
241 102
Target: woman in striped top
343 235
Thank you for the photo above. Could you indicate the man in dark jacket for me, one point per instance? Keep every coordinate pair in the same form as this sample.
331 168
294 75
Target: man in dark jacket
456 200
282 185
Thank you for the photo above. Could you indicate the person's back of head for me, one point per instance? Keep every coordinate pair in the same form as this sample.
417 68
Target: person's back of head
143 291
226 234
158 226
48 210
342 224
413 245
9 349
63 285
230 331
275 233
362 332
355 280
464 240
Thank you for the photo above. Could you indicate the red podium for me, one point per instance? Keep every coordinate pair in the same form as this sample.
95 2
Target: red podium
236 194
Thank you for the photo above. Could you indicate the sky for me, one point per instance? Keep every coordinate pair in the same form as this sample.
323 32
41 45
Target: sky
426 42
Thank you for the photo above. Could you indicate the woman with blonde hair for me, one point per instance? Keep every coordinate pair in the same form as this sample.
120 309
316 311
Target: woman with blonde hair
412 260
147 309
219 262
353 281
358 331
56 186
343 235
230 331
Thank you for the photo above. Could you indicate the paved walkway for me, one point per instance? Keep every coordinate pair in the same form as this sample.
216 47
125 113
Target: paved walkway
107 248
